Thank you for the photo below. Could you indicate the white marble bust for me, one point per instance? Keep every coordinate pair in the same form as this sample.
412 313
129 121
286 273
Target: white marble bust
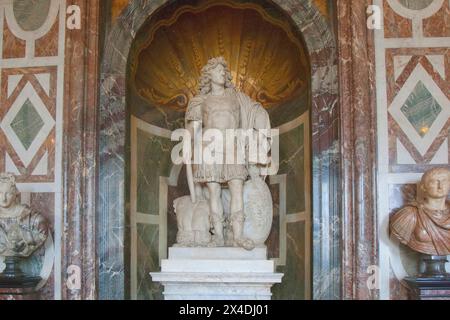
22 230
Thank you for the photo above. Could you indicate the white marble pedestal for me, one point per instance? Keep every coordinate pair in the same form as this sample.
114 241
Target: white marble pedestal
217 274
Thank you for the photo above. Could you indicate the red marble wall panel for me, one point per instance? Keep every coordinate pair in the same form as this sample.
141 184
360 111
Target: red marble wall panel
45 204
358 134
48 98
12 46
422 161
47 46
439 24
395 26
418 56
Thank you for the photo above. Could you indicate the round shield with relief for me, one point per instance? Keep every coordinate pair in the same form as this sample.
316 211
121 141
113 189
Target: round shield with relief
258 211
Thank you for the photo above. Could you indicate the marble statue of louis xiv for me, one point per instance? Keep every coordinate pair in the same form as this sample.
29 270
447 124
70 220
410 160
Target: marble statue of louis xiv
220 106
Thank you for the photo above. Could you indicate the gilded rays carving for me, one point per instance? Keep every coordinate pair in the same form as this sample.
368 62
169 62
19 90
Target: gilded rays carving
265 56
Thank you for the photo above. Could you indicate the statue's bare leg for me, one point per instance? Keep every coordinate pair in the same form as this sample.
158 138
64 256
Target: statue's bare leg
215 201
237 214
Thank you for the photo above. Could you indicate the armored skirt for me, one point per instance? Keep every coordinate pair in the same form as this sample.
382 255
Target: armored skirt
220 173
226 168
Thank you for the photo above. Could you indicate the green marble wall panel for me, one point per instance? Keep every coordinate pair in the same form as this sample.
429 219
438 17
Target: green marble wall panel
421 109
416 4
289 111
31 14
27 124
293 285
153 162
148 261
292 163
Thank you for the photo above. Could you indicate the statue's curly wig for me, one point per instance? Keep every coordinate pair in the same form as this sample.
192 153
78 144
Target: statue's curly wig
205 79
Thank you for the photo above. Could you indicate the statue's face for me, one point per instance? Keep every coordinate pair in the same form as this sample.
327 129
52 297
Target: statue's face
218 75
438 185
7 195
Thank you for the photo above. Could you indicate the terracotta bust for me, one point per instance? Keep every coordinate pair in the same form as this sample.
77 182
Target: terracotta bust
22 230
424 226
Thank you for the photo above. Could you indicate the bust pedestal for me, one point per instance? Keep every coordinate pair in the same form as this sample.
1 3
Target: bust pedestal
18 294
428 288
16 285
433 284
217 274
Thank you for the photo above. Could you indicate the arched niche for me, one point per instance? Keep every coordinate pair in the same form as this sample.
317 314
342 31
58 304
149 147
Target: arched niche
114 224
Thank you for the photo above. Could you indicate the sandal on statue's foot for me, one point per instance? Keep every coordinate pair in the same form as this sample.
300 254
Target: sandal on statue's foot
247 244
216 243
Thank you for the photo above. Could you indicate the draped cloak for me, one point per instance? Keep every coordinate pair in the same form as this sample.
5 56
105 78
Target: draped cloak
423 230
252 116
29 229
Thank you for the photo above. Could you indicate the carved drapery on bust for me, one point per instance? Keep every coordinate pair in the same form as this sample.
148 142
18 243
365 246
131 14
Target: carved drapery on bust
424 226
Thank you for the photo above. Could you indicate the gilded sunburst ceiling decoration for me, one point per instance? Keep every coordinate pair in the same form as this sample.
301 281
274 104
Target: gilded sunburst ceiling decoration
267 59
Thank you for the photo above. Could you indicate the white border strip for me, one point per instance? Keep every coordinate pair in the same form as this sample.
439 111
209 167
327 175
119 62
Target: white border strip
383 159
58 150
133 210
56 6
37 187
404 178
414 43
140 218
34 62
308 206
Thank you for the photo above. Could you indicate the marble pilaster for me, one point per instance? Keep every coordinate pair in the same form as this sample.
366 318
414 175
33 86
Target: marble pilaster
80 151
358 132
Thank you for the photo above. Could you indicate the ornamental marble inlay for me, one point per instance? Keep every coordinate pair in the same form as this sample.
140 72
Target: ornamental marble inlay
31 14
415 5
413 112
27 143
421 109
31 100
27 124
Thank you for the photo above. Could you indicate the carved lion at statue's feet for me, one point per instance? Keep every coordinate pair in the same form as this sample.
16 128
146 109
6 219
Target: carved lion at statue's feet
193 222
